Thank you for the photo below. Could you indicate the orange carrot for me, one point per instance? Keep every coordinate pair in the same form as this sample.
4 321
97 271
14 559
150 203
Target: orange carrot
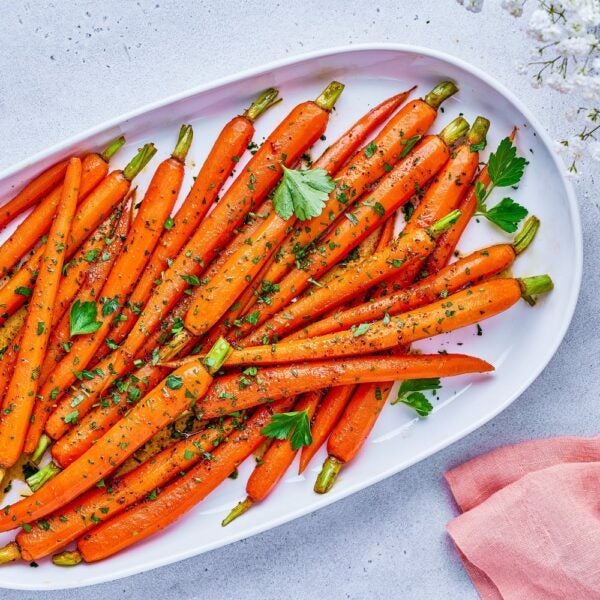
235 392
89 292
329 412
32 192
8 361
93 210
464 308
392 191
274 463
286 144
29 232
107 501
20 395
179 497
156 410
245 264
141 240
390 146
222 159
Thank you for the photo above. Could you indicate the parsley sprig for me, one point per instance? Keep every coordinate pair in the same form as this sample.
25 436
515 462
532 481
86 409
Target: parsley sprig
294 426
411 394
505 169
83 318
302 193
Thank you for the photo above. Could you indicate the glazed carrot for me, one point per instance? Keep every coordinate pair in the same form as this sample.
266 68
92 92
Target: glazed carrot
8 362
179 497
274 463
32 192
97 273
389 147
245 264
235 392
19 399
396 188
464 308
328 414
446 243
111 408
156 410
141 240
406 252
92 211
103 503
285 145
29 232
222 159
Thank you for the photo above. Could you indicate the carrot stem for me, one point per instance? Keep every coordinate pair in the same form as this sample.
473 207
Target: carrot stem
478 131
184 141
41 448
112 148
527 234
328 475
441 92
454 131
217 355
9 553
45 474
328 97
533 286
267 99
239 510
68 558
444 223
139 161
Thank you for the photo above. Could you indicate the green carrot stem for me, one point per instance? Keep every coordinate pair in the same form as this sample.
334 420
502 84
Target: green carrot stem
527 234
45 474
42 446
139 161
444 223
184 141
328 475
328 97
266 99
440 93
240 509
9 553
217 355
67 558
533 286
113 148
478 131
454 131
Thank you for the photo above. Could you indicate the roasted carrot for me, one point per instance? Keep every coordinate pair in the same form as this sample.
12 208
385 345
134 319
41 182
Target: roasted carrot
29 232
466 307
222 159
328 414
274 463
8 362
156 410
235 392
408 251
390 146
93 210
286 144
18 402
141 240
179 497
32 192
419 167
105 502
229 283
90 291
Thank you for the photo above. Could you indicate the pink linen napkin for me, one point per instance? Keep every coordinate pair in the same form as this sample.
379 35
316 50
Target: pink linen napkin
530 522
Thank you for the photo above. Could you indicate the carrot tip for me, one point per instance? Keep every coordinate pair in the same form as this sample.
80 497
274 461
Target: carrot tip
45 474
9 553
240 509
67 558
328 475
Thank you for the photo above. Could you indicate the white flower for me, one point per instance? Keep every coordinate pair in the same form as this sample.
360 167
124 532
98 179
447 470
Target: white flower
521 68
514 7
559 83
576 147
576 46
542 28
594 150
472 5
596 65
589 13
572 114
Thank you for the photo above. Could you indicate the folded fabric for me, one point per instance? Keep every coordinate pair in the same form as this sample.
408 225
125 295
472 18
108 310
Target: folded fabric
530 526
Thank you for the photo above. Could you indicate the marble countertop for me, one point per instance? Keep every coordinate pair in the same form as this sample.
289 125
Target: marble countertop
67 66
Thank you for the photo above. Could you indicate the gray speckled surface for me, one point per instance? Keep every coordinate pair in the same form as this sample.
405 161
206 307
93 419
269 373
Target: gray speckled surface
69 65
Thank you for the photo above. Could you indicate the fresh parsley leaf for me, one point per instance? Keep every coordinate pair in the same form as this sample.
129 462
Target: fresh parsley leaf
23 291
418 402
478 147
169 223
174 382
110 306
505 168
420 385
191 279
82 318
507 214
360 329
302 193
370 149
91 255
71 417
409 144
294 426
